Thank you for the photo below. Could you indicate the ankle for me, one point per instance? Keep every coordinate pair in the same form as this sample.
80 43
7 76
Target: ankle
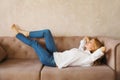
25 33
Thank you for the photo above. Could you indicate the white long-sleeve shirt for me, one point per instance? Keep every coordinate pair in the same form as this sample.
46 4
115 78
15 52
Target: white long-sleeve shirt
77 56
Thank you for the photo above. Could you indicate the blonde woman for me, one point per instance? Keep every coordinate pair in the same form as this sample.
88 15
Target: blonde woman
89 50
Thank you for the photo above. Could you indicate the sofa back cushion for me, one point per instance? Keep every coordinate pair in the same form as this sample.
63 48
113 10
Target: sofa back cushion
3 54
17 49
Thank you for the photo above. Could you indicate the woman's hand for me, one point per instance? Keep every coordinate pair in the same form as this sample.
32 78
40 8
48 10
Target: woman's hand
87 39
103 49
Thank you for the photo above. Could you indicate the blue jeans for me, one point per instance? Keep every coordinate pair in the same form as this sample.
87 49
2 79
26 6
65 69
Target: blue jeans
45 55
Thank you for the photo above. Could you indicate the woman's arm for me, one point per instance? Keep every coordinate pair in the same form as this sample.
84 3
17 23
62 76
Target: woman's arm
83 42
94 56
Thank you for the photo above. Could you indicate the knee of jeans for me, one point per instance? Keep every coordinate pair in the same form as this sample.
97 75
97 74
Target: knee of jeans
47 31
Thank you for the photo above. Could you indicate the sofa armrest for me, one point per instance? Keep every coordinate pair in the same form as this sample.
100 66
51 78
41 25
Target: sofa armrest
112 54
118 61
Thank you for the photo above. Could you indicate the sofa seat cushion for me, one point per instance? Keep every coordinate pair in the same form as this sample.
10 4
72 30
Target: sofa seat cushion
102 72
20 69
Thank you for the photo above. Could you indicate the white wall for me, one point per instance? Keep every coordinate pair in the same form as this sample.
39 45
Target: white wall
63 17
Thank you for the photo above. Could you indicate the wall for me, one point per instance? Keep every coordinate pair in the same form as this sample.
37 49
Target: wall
62 17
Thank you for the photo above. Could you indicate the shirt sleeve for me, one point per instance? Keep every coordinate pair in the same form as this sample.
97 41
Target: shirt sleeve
82 44
93 57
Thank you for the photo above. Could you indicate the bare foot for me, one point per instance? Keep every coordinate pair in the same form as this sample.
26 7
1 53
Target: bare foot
14 29
17 29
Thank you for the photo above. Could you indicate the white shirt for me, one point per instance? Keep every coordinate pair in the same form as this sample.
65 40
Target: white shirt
77 56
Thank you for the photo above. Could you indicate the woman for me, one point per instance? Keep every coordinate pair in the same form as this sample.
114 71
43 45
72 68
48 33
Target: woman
88 51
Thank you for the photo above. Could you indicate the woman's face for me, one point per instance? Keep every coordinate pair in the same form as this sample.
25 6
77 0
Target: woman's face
91 46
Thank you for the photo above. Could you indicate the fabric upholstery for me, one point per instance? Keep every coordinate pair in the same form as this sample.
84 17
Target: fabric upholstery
110 45
22 62
20 69
3 54
78 73
118 61
17 49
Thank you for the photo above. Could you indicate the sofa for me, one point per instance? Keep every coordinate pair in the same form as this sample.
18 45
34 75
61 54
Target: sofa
22 63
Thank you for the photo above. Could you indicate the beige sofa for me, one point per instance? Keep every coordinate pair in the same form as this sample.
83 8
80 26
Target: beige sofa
22 62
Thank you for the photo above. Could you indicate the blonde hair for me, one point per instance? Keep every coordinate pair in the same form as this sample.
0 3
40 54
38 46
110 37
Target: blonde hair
98 44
